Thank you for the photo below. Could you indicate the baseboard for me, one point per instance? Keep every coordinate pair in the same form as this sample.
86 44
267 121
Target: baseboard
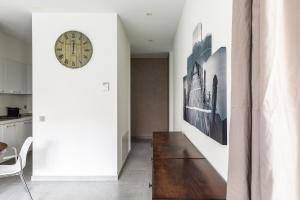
141 138
74 178
124 163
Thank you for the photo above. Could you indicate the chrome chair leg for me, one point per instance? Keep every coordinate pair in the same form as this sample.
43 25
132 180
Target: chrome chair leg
25 184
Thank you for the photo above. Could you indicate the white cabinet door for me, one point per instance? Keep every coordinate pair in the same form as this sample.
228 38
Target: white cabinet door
22 87
24 130
15 134
19 78
29 79
20 135
1 140
10 134
27 129
3 88
1 133
11 77
16 76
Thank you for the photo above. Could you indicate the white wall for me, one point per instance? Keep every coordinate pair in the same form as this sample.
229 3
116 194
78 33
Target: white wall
78 139
123 96
13 49
20 101
215 16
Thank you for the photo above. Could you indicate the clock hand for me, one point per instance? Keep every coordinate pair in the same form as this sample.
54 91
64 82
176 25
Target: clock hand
73 46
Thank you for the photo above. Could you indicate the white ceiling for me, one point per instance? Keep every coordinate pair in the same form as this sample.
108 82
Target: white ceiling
15 18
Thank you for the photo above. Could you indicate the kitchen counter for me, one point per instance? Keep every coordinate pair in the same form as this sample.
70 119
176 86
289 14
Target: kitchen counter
7 120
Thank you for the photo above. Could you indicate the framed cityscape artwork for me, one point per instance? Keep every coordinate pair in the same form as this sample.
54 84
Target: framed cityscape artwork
205 88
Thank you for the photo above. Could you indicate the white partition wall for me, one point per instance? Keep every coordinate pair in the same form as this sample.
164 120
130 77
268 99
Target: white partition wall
75 123
123 96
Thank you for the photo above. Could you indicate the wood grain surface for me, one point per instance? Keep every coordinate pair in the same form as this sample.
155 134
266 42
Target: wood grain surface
168 145
181 172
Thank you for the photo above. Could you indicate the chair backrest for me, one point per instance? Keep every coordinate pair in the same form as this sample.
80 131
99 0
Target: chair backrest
24 150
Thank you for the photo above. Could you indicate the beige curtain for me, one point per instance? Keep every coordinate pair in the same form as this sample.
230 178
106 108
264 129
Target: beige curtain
264 145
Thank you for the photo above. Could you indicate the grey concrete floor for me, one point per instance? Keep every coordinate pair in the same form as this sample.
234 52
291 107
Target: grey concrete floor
132 185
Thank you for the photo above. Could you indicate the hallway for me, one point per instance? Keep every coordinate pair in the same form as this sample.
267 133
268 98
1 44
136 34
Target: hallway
133 184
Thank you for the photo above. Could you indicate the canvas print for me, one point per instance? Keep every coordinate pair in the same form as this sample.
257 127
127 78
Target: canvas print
205 88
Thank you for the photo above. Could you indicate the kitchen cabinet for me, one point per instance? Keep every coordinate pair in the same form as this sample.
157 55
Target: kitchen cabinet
2 76
29 79
24 130
15 77
13 74
10 134
1 133
15 133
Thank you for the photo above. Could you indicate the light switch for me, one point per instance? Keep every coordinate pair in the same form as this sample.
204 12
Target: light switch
42 118
105 86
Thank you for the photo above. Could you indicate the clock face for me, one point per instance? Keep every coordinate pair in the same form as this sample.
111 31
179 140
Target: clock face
73 49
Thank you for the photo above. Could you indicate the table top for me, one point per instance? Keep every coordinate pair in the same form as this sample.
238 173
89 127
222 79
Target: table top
173 145
3 146
187 179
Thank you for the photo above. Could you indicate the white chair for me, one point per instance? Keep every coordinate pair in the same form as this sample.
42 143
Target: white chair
17 168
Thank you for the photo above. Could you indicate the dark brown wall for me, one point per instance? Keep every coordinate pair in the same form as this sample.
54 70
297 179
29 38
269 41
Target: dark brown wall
149 96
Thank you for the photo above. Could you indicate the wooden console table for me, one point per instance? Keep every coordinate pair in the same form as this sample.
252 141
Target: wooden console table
181 172
167 145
